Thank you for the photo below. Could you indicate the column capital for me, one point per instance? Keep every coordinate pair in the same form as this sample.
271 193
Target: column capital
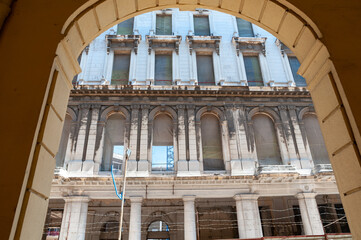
77 199
189 198
306 195
246 196
135 106
190 106
136 199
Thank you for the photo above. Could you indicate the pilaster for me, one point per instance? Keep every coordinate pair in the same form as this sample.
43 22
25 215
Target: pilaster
88 164
193 163
75 165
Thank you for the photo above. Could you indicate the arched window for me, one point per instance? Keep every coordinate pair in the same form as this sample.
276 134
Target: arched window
109 230
113 140
158 230
60 156
315 139
211 143
268 150
162 148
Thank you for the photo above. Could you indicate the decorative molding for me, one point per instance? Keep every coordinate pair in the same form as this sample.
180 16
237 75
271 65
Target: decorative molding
123 42
163 42
245 44
203 42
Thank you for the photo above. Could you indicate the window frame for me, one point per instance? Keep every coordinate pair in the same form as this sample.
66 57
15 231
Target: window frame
251 54
152 117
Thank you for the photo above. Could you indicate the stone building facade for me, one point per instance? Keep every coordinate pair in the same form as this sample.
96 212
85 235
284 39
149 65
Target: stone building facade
223 136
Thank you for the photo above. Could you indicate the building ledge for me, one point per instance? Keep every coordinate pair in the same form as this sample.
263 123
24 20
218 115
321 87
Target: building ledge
323 169
123 42
163 42
250 44
277 169
203 42
189 90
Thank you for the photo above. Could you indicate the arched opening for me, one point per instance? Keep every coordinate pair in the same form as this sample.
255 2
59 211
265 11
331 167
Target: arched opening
338 117
162 148
109 230
211 143
113 141
158 230
315 140
268 150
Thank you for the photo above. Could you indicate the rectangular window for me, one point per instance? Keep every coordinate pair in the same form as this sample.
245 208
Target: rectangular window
120 74
163 25
253 71
295 65
125 27
244 28
163 70
201 26
205 72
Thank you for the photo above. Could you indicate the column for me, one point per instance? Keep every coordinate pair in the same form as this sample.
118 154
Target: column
305 160
75 164
133 140
143 168
135 222
69 154
88 164
311 219
99 146
193 163
73 225
287 146
190 232
246 143
235 159
182 145
248 218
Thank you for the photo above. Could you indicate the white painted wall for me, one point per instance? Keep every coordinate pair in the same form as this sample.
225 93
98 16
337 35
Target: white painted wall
221 25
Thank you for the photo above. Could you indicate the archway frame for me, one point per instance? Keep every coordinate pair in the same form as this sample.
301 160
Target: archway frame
283 20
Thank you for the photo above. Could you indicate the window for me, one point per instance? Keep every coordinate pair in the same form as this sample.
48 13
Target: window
315 140
295 65
163 70
113 141
54 223
268 151
60 156
158 230
211 143
253 71
125 27
205 72
120 74
244 28
201 26
162 148
109 230
163 25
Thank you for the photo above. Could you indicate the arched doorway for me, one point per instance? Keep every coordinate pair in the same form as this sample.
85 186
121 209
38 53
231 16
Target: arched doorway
339 115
